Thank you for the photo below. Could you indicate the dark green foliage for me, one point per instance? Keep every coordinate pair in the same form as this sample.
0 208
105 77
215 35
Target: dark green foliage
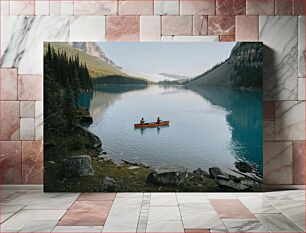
118 79
64 79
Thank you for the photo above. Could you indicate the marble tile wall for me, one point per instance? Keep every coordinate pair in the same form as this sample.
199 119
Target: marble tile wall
25 24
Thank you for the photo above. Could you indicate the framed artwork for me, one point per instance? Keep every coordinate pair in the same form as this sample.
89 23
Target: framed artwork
153 117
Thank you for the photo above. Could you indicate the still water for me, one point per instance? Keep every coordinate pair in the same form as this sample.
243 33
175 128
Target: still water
208 127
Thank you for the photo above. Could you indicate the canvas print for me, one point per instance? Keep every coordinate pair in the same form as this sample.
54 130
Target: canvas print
153 117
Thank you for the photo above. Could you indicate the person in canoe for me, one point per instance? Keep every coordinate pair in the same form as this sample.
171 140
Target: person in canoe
158 120
142 121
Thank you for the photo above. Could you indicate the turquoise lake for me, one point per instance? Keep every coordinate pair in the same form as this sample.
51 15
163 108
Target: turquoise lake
208 127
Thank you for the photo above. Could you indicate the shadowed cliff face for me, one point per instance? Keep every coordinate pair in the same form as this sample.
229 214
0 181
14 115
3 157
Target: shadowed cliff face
245 116
243 69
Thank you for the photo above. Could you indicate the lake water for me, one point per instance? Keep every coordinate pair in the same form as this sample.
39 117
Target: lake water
208 127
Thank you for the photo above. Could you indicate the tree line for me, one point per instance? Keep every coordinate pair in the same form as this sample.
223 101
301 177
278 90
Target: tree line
64 80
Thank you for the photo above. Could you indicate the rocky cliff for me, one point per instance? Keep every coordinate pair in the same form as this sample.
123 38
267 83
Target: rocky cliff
91 48
243 69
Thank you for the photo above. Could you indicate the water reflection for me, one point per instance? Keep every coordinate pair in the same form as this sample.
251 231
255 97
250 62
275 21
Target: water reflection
210 127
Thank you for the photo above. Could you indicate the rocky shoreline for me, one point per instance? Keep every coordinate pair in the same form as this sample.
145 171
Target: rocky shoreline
88 168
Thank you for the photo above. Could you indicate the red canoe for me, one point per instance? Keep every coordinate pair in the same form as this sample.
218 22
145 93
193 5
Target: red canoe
152 124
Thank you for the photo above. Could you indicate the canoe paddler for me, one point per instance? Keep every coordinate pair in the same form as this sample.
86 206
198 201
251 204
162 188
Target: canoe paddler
158 120
142 121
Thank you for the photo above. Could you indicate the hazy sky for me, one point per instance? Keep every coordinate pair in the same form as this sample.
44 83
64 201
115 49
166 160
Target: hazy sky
149 59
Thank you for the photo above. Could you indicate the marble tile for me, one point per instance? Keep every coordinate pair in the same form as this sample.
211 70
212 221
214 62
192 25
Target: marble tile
8 84
39 120
39 226
37 200
55 8
130 195
8 210
176 25
27 109
67 7
221 25
30 87
20 219
260 7
97 197
221 196
238 225
299 162
75 229
247 28
200 25
258 205
9 120
32 162
22 7
278 162
166 7
135 7
283 7
269 110
87 28
206 216
164 213
203 7
150 28
230 7
298 7
231 209
165 226
27 129
123 219
292 195
279 34
22 39
5 7
290 120
301 89
224 38
277 223
294 210
269 130
86 213
301 47
168 38
107 7
200 230
192 198
163 199
42 7
195 39
122 28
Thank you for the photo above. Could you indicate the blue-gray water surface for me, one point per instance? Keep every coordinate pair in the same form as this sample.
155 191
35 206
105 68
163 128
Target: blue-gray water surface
208 127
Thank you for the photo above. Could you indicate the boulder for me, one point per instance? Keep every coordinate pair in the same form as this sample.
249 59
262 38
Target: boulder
232 185
215 172
244 167
200 172
108 184
78 166
171 178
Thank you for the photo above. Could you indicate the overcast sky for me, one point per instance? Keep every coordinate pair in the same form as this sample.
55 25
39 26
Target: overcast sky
149 59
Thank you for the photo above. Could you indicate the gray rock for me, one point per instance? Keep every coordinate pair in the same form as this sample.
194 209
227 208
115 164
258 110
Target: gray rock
232 184
108 184
215 172
244 166
78 166
171 178
200 172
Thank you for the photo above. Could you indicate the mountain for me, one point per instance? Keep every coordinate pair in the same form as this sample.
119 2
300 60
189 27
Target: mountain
91 48
174 76
100 68
243 69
